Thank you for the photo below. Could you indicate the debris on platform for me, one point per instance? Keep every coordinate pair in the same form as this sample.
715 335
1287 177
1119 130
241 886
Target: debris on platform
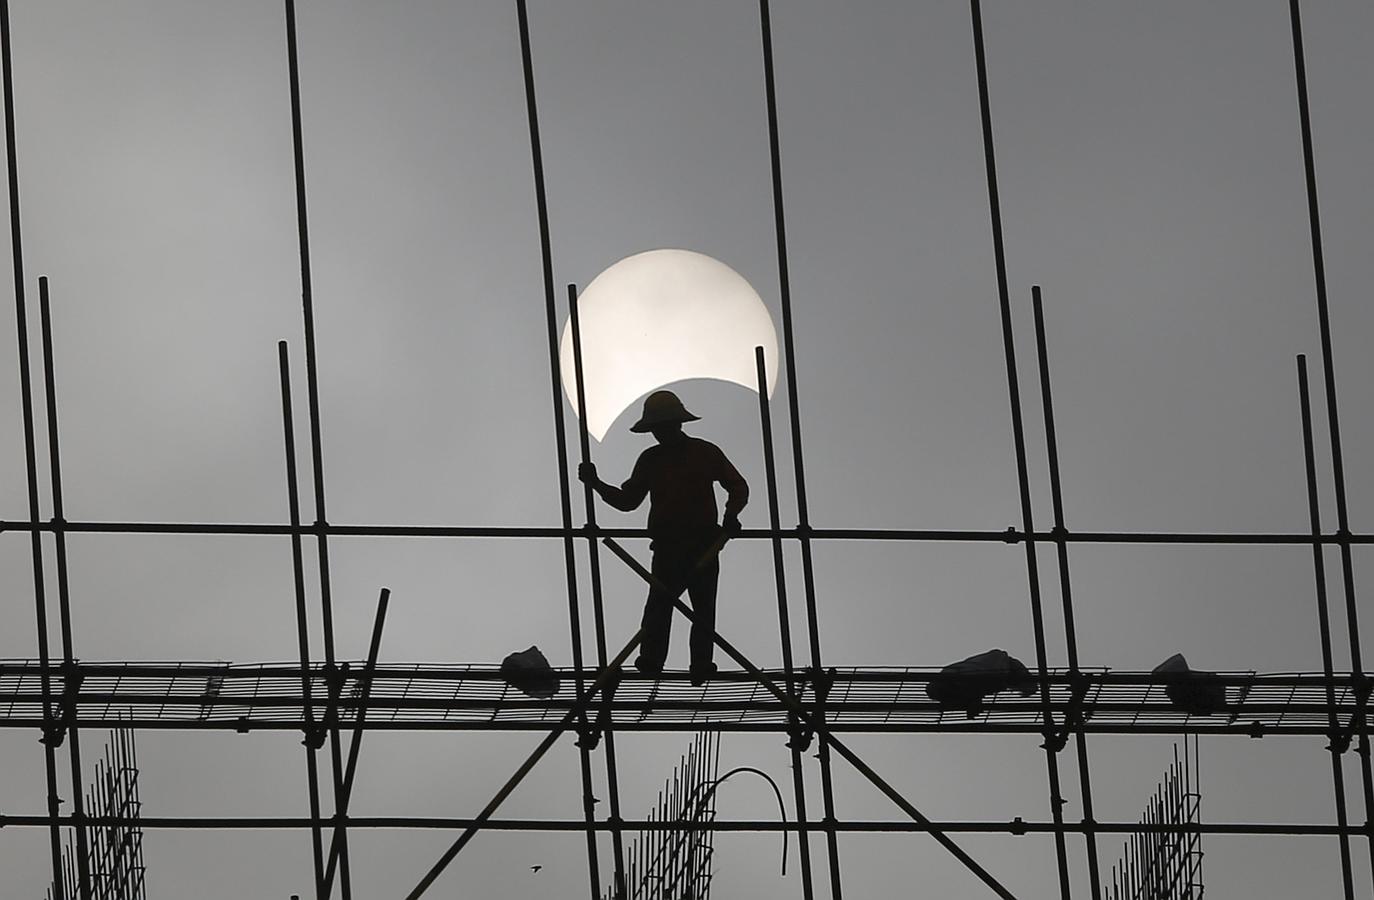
1198 693
529 672
965 684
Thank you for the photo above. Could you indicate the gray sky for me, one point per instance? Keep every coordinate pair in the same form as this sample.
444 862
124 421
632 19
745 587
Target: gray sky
1152 183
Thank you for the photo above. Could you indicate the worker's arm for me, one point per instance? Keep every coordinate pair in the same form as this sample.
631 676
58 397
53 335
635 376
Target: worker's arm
625 498
736 492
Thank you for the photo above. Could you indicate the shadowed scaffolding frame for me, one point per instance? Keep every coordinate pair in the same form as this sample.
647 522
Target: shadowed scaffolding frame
61 698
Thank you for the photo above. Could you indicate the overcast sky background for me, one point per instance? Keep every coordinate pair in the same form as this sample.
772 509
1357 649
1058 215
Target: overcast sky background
1152 183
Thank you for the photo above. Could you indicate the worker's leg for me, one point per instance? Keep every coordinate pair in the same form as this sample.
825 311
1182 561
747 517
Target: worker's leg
702 590
658 611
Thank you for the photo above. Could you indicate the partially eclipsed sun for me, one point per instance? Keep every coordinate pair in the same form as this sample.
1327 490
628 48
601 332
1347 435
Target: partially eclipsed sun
664 316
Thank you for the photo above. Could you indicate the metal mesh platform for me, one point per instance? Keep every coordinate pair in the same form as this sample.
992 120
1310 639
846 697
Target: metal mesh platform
421 696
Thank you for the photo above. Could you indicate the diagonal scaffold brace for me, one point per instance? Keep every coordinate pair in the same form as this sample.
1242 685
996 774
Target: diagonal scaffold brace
611 673
355 744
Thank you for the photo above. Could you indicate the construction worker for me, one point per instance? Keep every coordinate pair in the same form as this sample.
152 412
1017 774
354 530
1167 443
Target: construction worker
678 475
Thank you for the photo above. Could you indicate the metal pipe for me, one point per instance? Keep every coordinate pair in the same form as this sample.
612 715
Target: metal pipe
1332 409
1010 536
316 447
1065 584
1018 433
761 826
1324 623
355 743
594 567
784 619
798 465
69 705
646 726
302 619
30 455
565 501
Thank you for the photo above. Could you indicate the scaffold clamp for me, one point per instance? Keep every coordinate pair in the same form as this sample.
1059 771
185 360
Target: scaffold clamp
1057 739
314 736
589 735
1340 740
53 734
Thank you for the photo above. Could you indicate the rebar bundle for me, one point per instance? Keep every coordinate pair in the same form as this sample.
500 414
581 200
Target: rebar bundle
675 863
1164 862
114 857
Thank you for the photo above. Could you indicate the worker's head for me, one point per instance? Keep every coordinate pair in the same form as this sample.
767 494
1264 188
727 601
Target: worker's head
663 416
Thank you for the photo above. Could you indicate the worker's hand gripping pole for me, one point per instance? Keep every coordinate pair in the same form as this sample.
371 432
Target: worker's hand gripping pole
604 678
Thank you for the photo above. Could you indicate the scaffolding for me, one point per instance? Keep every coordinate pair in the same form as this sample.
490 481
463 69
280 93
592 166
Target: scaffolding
333 702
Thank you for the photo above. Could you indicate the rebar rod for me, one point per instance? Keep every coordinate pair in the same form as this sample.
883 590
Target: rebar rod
30 453
1018 435
1324 624
1332 409
798 464
1065 585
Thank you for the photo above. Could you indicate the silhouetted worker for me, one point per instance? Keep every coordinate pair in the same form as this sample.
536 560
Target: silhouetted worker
678 475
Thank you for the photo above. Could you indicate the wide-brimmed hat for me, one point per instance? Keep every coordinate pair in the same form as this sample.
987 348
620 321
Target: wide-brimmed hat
660 408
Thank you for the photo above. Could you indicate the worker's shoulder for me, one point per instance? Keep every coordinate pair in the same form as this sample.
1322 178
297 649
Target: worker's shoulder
701 445
704 450
649 454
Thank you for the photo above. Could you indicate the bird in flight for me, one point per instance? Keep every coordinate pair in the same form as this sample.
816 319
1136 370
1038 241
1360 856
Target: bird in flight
535 868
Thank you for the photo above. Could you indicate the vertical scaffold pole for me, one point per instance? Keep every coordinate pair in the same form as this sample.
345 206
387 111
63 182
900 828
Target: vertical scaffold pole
302 618
798 468
564 495
64 607
784 622
594 568
1066 591
312 391
1019 440
31 460
1333 420
1324 626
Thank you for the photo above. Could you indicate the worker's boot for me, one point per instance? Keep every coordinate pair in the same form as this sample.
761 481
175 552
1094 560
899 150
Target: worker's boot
702 672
